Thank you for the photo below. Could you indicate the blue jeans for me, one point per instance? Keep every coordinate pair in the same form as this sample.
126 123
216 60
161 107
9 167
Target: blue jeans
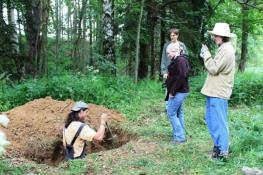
216 121
174 108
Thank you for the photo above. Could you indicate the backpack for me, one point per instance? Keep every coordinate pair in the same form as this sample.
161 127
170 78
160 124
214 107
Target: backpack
69 150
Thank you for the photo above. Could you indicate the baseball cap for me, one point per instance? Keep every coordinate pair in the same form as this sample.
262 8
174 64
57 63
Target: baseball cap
79 105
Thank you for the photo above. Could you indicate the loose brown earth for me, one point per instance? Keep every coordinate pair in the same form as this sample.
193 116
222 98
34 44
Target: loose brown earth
35 129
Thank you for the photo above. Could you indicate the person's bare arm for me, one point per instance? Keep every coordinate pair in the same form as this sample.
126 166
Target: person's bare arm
101 131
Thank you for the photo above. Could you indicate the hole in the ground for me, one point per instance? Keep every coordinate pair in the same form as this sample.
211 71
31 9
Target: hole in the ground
35 129
53 153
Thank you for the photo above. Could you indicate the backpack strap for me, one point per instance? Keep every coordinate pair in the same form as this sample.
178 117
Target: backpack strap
77 134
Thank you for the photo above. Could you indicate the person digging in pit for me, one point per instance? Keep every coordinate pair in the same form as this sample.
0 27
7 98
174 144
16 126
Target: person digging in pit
76 132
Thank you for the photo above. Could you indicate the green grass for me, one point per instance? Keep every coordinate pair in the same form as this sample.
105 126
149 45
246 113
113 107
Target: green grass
144 107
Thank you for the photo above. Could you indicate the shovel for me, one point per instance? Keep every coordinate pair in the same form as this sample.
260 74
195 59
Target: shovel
113 137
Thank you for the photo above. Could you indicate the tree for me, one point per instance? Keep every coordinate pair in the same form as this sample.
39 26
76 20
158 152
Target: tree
36 15
57 26
138 43
80 36
12 24
108 40
245 31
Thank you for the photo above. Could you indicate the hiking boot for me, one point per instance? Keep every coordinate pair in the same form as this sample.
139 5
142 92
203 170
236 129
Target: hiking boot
216 152
222 156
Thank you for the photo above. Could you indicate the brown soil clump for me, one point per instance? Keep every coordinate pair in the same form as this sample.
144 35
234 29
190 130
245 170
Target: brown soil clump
35 129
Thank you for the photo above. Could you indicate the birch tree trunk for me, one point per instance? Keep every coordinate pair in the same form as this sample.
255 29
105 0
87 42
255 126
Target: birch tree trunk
108 41
138 43
84 47
12 24
69 23
57 26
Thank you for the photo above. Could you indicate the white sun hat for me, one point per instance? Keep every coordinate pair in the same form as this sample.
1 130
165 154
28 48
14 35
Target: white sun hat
221 29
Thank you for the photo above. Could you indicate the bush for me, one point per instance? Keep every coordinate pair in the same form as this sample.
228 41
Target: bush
248 89
108 91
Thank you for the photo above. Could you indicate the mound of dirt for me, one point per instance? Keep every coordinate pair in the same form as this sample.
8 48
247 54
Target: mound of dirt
35 128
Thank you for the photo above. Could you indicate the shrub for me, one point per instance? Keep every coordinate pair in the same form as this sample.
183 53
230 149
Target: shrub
248 89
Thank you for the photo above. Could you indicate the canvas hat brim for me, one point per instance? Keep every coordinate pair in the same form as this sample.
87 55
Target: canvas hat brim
231 35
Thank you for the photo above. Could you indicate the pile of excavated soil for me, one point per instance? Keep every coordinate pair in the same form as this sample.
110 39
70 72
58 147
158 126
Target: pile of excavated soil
35 128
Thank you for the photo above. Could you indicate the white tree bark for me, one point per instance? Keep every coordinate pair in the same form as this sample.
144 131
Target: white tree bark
108 43
12 23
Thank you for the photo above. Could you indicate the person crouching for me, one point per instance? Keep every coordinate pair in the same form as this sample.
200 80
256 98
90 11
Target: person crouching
76 132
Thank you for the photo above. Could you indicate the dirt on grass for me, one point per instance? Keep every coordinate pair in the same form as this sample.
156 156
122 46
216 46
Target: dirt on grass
35 129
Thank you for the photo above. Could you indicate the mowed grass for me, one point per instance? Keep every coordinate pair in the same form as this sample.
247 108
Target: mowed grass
152 153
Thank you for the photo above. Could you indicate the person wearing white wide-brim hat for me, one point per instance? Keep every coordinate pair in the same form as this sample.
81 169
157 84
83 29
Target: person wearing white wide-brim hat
218 87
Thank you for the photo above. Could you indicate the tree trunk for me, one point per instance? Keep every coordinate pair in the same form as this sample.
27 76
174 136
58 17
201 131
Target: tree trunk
69 23
77 49
152 50
1 10
84 49
245 30
74 33
12 24
138 43
162 37
43 62
36 32
108 41
91 63
144 57
19 32
57 26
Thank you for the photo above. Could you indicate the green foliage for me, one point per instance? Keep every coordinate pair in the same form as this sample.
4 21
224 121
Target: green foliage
247 89
6 168
109 91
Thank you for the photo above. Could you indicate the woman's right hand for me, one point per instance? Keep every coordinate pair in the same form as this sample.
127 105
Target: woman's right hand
103 118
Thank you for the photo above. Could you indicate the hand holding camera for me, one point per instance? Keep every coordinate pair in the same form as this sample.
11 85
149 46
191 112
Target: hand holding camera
205 53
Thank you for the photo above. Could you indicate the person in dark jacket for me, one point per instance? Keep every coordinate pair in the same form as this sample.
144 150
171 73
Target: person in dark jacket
177 91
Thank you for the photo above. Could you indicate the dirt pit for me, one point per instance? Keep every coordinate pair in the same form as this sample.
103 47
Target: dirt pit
35 130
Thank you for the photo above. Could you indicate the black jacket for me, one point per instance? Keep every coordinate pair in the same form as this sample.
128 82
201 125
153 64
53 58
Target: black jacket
177 80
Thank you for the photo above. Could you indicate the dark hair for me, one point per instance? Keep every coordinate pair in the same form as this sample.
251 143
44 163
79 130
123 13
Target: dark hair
225 39
72 116
174 30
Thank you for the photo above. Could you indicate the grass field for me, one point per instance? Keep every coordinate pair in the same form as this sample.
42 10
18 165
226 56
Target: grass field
152 153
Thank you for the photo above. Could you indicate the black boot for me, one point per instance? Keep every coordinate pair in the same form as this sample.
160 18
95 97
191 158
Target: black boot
216 152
